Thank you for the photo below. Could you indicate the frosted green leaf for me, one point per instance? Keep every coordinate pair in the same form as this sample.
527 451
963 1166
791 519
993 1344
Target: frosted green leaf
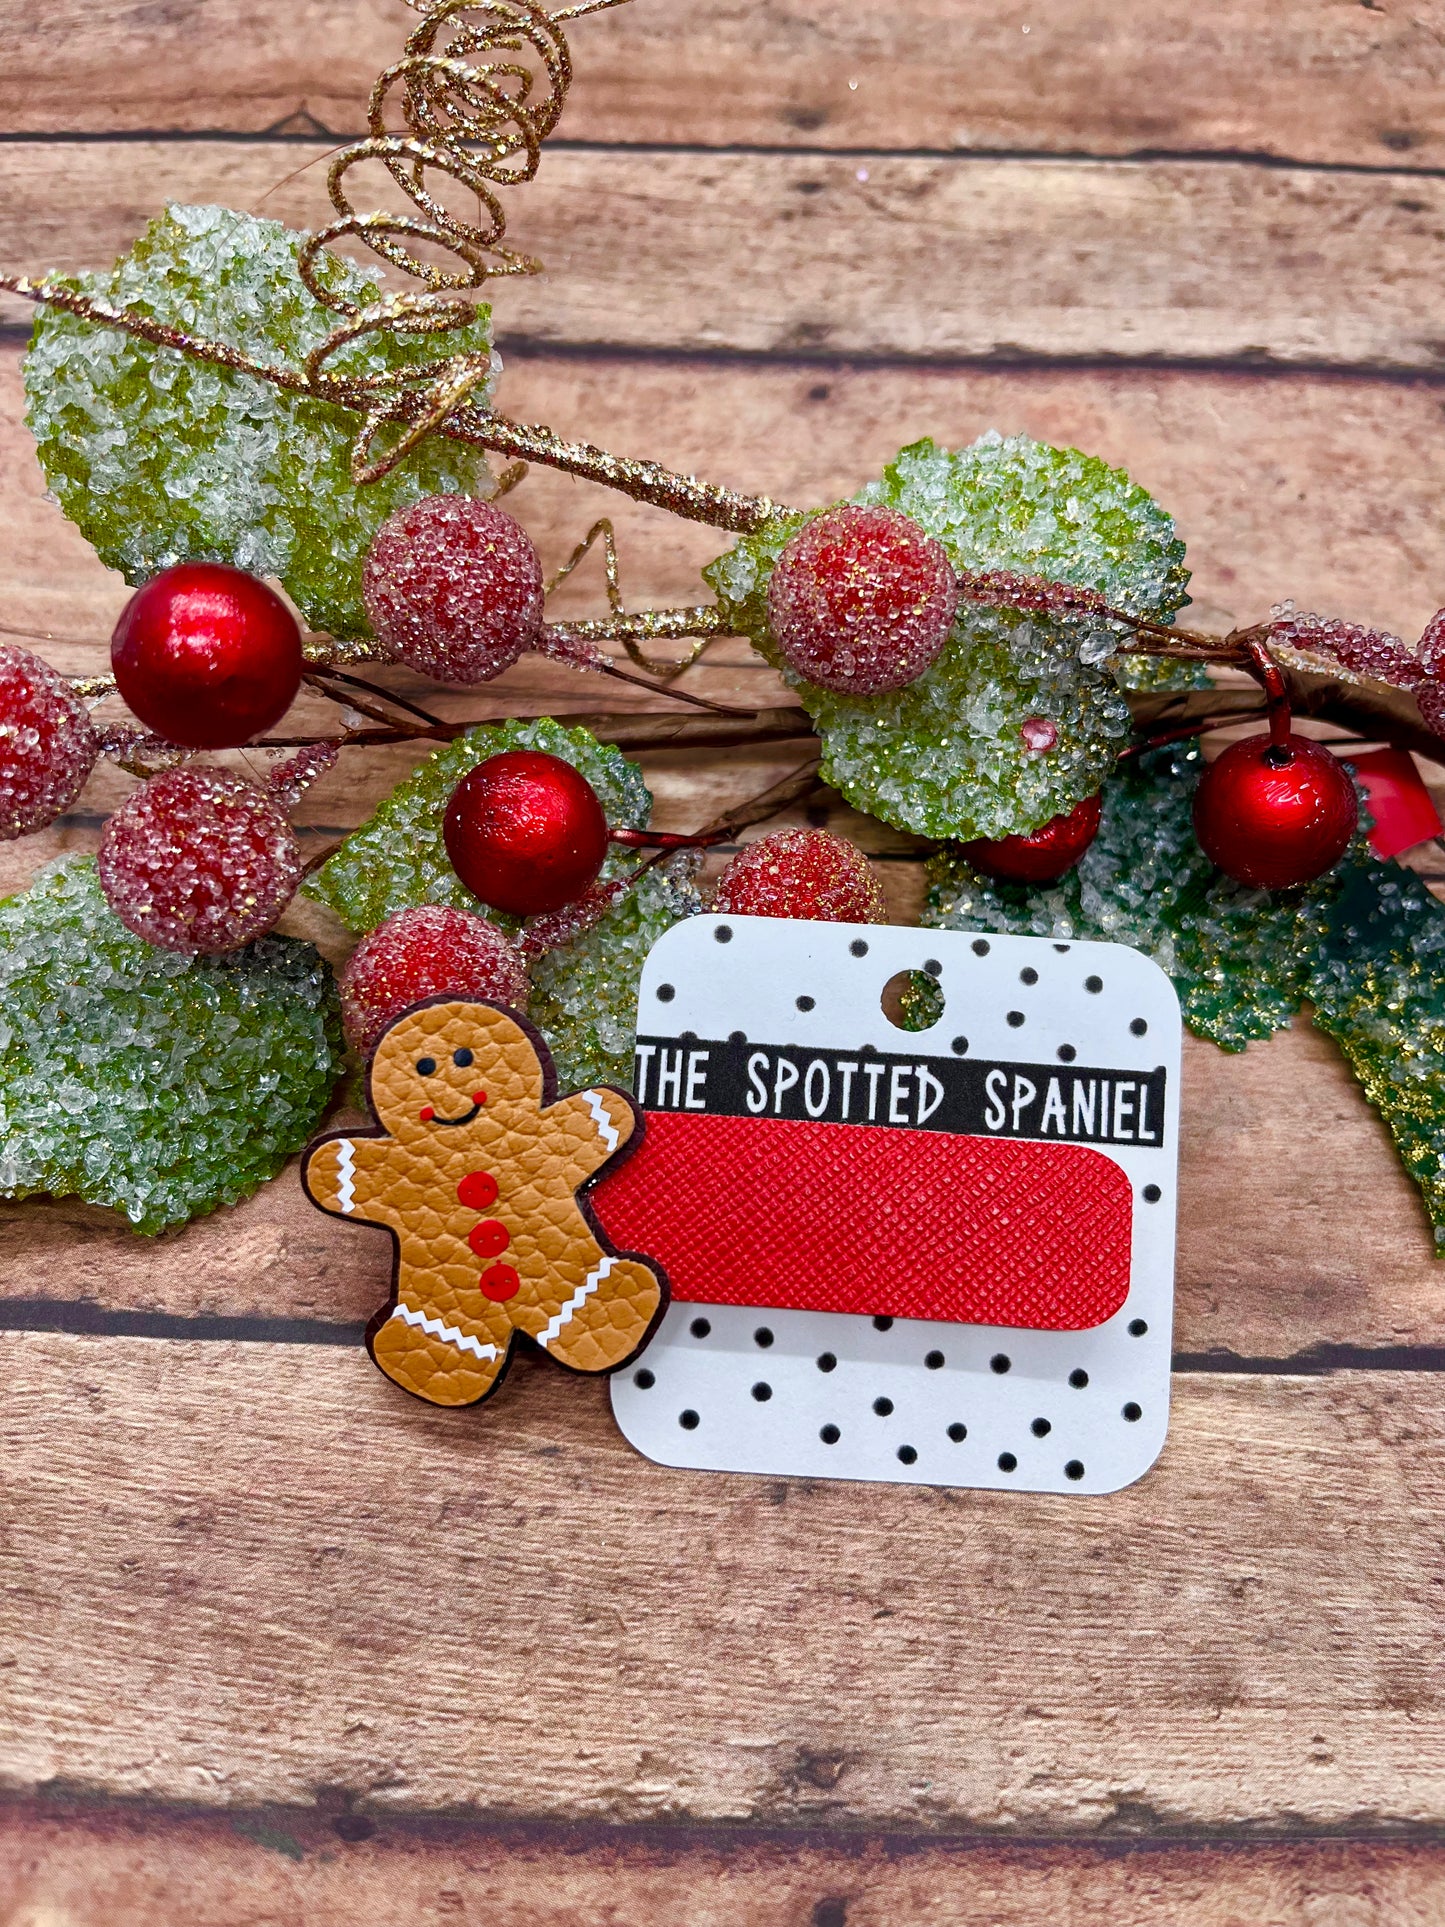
398 858
156 1084
944 757
584 994
159 459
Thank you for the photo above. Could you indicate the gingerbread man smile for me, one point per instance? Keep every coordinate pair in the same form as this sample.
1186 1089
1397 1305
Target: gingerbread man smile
492 1239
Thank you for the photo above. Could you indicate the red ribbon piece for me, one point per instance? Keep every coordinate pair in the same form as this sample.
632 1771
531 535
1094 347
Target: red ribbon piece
798 1215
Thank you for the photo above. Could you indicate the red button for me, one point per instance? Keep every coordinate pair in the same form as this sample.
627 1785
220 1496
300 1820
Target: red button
478 1191
489 1237
499 1283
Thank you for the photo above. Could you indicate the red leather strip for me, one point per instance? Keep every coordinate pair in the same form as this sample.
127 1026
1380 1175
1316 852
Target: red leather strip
845 1217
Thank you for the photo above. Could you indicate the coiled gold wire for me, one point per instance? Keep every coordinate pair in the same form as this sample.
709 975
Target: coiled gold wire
475 111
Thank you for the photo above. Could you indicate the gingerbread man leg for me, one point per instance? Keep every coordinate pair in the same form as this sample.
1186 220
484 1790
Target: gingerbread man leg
605 1319
429 1355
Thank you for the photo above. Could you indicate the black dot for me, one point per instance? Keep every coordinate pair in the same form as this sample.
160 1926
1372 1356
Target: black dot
958 1432
1152 1194
858 948
1028 976
723 933
1093 985
883 1324
1041 1428
980 947
934 1361
688 1420
1139 1027
1007 1462
827 1362
1078 1378
462 1059
933 968
1063 948
1133 1411
425 1066
643 1380
1067 1053
1000 1363
883 1407
762 1392
1015 1018
806 1003
830 1435
762 1336
1137 1327
665 993
960 1047
699 1327
907 1454
737 1037
1074 1469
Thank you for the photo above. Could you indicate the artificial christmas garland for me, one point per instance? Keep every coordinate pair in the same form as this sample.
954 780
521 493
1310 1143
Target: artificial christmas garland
983 643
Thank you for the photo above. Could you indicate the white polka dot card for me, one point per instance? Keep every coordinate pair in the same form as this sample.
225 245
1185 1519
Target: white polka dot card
940 1255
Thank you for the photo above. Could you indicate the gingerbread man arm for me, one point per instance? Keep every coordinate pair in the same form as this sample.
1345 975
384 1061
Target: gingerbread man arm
351 1177
588 1128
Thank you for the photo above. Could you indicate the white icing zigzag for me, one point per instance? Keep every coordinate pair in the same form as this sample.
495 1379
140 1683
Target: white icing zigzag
578 1299
606 1129
345 1174
438 1328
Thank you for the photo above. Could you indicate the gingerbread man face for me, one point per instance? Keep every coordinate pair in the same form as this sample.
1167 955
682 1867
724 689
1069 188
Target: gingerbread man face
475 1169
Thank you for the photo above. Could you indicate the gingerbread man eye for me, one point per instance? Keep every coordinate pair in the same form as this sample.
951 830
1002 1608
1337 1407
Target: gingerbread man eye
425 1066
461 1058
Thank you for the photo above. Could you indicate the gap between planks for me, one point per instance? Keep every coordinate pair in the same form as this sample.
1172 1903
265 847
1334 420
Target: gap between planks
137 1866
1346 85
904 258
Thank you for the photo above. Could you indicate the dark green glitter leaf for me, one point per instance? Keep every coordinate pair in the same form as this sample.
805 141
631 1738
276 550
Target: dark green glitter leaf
1364 946
157 1084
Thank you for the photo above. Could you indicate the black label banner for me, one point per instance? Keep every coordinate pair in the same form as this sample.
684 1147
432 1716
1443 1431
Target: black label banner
1070 1102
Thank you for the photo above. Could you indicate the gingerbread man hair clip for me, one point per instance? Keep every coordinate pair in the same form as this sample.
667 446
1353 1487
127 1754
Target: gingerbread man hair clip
475 1168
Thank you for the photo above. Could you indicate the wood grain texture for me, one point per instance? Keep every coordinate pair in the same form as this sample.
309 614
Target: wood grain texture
1301 78
1274 1262
898 257
123 1869
511 1615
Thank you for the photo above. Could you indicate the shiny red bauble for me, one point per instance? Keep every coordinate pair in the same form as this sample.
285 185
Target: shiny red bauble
1049 853
207 656
525 832
1275 817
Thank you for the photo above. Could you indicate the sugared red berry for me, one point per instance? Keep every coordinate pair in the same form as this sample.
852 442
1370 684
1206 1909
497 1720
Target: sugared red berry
454 587
801 873
198 860
47 743
1274 818
207 656
862 600
525 832
430 951
1043 856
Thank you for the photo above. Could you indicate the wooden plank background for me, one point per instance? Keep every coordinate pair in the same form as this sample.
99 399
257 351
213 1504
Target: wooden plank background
276 1645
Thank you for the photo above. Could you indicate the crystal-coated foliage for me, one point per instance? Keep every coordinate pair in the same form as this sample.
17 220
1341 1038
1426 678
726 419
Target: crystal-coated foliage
946 756
584 993
159 459
1364 946
156 1084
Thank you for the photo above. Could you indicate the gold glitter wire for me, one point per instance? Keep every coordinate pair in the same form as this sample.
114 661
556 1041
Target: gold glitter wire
479 86
649 625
